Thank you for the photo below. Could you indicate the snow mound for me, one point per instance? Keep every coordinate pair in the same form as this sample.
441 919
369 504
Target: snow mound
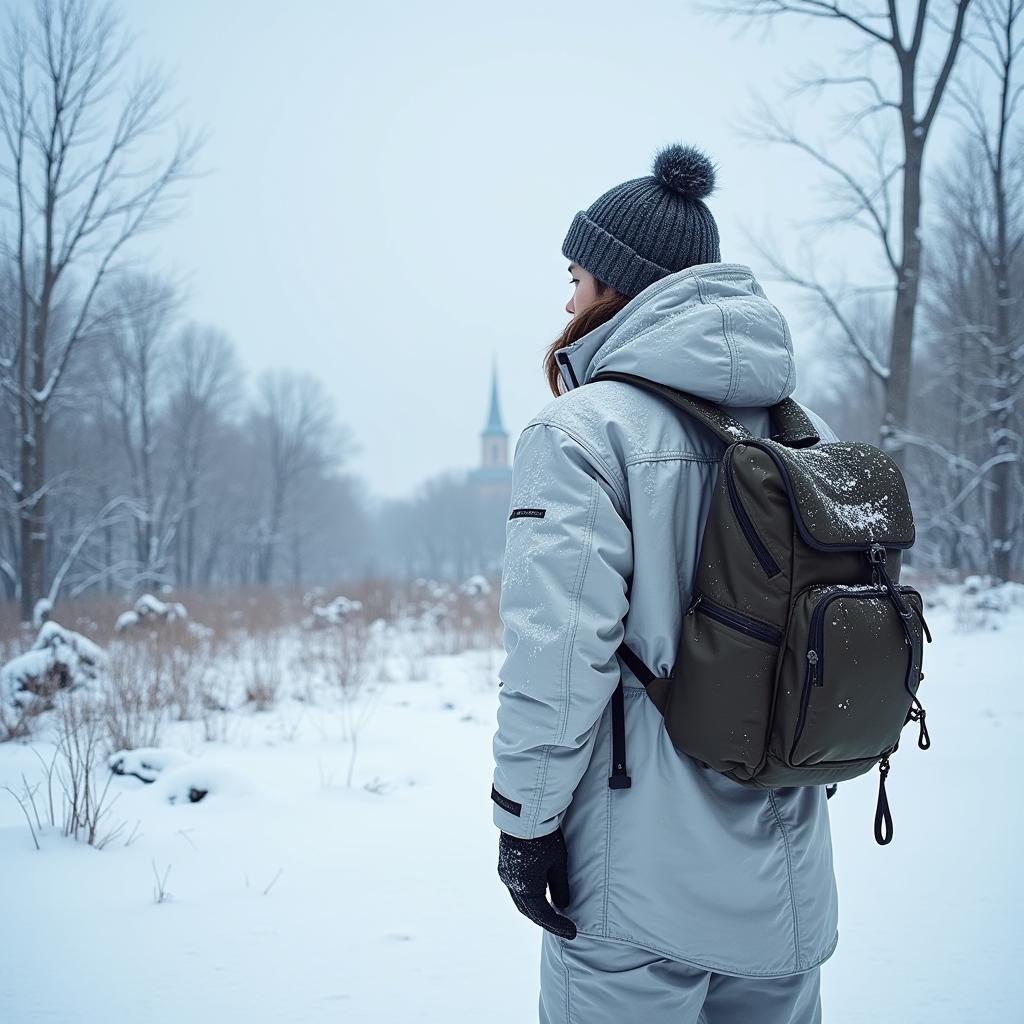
175 776
195 781
146 763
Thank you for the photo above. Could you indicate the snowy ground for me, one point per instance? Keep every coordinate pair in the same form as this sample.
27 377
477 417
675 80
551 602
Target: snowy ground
296 898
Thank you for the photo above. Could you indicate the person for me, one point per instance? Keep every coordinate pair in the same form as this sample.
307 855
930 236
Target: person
685 897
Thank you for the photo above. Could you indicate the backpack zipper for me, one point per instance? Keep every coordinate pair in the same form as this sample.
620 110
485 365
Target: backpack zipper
816 650
761 552
737 620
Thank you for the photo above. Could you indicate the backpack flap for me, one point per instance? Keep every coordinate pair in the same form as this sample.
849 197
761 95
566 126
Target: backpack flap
845 495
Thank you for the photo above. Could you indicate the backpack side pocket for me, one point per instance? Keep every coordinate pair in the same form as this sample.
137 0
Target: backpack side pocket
719 701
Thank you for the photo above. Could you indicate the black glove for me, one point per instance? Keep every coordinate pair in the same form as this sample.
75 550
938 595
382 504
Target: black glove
531 866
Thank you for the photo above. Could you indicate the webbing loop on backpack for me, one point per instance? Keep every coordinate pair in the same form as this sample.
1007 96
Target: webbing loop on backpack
790 425
883 816
619 778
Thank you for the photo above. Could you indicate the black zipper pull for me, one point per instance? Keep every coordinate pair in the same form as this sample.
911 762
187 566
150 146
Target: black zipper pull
883 817
693 605
812 667
917 714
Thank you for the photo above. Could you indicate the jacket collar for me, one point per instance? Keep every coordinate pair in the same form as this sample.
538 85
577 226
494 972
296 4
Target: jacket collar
708 330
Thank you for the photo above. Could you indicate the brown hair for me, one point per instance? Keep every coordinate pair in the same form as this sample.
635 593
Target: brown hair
609 302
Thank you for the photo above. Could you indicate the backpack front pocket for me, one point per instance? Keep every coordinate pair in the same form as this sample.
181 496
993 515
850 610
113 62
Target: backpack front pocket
719 702
848 676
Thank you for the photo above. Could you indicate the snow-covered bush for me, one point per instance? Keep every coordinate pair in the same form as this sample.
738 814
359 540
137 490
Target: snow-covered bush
451 619
262 668
42 611
60 659
984 602
316 595
135 700
333 613
475 586
149 611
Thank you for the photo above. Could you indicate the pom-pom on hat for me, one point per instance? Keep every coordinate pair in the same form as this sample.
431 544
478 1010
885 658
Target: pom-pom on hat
648 228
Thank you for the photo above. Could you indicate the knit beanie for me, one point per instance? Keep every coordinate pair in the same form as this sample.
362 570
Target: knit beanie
647 228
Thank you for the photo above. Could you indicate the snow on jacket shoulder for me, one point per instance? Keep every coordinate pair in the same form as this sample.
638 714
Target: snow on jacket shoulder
610 492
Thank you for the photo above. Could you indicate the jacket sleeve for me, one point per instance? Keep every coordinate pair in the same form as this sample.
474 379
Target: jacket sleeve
564 595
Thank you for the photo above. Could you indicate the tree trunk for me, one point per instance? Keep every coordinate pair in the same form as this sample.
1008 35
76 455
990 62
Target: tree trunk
897 393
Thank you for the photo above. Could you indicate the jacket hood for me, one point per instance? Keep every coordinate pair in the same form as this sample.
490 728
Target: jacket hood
709 330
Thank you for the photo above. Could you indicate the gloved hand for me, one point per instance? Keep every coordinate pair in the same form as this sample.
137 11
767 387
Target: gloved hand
529 867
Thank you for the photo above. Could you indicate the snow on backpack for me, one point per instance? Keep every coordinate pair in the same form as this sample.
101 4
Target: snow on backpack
800 655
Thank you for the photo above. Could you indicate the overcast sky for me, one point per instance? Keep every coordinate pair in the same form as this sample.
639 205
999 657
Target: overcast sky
389 185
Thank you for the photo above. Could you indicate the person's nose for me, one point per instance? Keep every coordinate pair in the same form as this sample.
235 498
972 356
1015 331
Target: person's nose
569 308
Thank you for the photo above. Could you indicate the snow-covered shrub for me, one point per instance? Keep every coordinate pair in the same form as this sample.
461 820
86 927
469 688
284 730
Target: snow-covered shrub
475 586
42 611
452 619
150 611
199 631
60 659
156 675
333 613
262 670
135 700
984 602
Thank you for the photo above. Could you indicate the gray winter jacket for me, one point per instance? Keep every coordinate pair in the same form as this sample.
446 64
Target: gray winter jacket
685 862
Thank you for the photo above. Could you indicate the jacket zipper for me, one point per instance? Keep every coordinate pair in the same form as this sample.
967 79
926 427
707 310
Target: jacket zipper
815 648
763 555
737 620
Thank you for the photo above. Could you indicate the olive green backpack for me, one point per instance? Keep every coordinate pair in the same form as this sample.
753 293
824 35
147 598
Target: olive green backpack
800 655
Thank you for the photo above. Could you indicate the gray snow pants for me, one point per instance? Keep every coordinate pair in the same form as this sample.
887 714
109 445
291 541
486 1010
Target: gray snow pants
598 981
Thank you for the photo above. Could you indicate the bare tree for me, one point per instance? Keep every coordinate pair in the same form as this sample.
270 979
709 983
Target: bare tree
205 388
973 452
81 184
297 431
886 200
143 310
995 226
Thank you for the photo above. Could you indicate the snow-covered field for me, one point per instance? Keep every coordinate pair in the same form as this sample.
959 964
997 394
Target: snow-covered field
290 896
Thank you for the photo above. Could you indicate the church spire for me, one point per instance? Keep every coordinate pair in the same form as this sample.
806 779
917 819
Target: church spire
494 424
493 477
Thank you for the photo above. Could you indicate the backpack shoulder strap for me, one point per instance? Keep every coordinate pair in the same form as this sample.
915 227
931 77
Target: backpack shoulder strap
790 425
727 428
